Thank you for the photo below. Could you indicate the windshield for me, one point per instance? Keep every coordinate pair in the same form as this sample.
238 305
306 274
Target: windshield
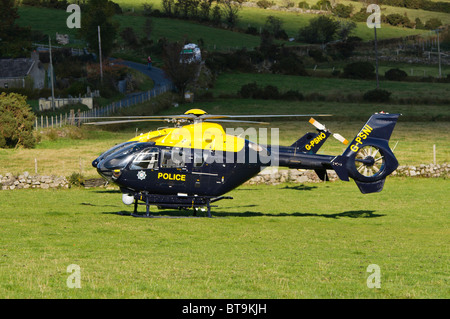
123 156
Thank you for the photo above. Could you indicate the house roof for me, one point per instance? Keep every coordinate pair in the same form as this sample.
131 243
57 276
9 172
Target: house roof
15 68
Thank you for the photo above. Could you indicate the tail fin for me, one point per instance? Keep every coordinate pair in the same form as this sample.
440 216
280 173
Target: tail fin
368 159
311 142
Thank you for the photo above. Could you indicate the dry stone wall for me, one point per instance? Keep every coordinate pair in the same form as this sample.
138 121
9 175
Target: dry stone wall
269 176
273 176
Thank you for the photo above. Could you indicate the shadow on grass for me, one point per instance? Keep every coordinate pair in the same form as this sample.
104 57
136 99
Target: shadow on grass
300 187
189 213
162 214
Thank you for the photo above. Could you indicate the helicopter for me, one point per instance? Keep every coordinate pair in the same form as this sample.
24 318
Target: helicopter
195 163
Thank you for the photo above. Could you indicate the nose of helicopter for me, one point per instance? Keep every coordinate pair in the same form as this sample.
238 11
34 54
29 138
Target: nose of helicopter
106 173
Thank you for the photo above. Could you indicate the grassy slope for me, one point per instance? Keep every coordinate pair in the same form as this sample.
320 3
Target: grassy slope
231 83
51 21
292 21
281 241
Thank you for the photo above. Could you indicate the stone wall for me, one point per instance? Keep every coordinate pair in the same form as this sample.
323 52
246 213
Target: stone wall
25 180
269 176
274 177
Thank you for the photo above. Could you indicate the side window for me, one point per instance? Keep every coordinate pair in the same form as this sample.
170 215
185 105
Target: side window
172 158
147 159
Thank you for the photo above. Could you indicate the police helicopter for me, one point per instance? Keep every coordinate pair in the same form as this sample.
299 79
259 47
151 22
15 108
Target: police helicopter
195 163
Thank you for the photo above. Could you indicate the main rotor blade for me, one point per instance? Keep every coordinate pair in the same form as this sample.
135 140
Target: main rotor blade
237 121
210 116
125 121
162 117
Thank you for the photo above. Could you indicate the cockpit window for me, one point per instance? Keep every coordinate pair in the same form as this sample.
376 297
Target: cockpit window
115 149
147 159
172 158
122 157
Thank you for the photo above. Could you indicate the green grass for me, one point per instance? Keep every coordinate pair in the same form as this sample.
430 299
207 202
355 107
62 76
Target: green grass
411 69
50 21
230 83
281 241
256 17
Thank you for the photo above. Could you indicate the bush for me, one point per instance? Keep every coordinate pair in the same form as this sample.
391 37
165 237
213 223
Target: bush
292 95
16 121
249 90
377 95
342 11
264 4
396 19
270 92
76 179
289 66
433 24
359 70
252 30
319 30
395 75
317 55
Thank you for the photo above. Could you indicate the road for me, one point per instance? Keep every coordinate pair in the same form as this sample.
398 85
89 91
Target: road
161 84
157 75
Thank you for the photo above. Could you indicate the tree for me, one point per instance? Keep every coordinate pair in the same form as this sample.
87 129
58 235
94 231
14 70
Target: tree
324 4
15 41
342 11
274 26
216 15
99 13
205 7
168 7
148 28
320 30
419 24
345 28
16 121
129 37
181 73
433 23
231 11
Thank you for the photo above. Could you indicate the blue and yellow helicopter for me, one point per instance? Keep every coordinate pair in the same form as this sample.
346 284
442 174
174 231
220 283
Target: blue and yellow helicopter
195 163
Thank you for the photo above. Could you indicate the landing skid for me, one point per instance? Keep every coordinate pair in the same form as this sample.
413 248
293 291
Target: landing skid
174 202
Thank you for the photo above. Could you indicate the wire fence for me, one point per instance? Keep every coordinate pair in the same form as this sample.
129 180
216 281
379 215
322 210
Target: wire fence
77 117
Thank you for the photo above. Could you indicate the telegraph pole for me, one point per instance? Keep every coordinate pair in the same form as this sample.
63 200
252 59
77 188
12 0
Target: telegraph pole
439 52
51 75
376 57
100 54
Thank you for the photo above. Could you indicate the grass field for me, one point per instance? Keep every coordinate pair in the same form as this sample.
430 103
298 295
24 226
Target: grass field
230 83
293 21
50 21
284 241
